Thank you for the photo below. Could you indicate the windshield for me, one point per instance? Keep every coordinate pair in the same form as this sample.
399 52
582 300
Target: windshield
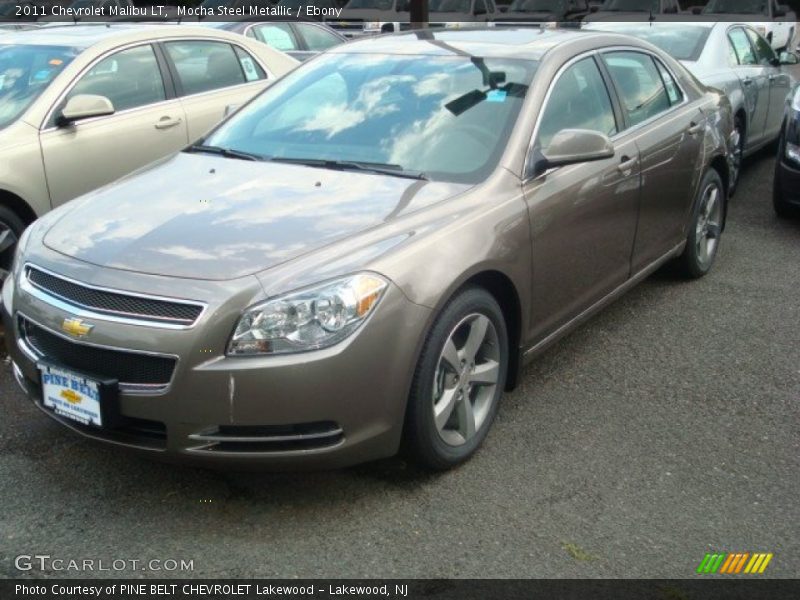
445 117
373 4
631 6
25 72
682 42
449 6
548 6
741 7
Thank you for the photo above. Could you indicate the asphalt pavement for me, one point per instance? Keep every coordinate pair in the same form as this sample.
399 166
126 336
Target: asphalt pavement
665 428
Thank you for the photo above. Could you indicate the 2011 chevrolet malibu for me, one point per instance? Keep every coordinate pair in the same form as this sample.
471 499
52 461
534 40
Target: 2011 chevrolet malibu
366 253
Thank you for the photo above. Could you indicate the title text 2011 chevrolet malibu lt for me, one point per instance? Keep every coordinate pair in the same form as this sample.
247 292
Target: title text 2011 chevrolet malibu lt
366 254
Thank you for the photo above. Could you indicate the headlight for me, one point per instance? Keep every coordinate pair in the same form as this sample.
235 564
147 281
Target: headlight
309 319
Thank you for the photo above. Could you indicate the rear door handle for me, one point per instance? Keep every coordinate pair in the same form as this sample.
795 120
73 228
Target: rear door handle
695 128
627 164
167 122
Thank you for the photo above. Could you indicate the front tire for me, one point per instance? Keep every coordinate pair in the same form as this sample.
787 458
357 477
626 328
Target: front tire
11 228
458 381
705 229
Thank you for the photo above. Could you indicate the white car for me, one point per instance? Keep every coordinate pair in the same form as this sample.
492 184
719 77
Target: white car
776 22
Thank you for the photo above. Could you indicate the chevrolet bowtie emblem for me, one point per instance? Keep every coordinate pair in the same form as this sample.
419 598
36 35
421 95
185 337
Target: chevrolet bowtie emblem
76 327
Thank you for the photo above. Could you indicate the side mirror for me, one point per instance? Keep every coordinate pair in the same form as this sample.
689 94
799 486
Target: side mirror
572 146
780 10
788 58
594 8
85 106
696 10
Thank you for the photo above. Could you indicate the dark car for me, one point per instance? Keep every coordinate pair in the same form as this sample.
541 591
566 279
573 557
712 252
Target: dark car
635 10
786 193
546 11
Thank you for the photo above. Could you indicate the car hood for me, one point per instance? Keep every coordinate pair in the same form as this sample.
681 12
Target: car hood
205 217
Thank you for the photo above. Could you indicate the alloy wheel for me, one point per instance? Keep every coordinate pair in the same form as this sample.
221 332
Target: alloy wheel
709 225
466 378
738 155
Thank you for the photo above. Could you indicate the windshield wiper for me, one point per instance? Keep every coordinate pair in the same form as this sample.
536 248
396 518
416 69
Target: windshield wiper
226 152
350 165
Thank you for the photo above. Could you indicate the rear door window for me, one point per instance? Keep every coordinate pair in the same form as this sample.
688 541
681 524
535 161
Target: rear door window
203 66
639 85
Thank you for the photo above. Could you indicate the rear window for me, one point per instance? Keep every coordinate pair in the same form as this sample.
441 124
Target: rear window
682 42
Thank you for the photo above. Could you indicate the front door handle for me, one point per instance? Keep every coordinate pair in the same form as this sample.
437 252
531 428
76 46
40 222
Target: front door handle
695 128
627 164
167 122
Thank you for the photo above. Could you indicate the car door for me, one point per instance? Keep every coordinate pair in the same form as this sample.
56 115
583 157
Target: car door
583 216
148 123
755 81
668 130
780 83
211 77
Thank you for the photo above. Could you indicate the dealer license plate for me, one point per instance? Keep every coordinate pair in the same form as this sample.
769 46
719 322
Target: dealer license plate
70 395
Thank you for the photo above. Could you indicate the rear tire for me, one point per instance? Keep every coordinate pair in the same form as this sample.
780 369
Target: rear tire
705 228
458 381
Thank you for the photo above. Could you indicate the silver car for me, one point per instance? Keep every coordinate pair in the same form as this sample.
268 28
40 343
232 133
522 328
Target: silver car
734 58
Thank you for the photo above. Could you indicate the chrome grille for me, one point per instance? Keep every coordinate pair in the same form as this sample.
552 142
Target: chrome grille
129 368
116 304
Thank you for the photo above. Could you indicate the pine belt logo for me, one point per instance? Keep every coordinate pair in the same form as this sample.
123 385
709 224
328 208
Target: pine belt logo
734 563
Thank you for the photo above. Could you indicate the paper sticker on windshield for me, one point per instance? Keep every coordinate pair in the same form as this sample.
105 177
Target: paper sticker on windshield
496 96
250 72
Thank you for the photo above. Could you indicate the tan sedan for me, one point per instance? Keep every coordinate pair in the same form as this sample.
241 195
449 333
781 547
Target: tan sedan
83 105
369 251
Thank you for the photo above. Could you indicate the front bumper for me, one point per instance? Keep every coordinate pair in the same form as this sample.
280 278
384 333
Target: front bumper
323 409
789 182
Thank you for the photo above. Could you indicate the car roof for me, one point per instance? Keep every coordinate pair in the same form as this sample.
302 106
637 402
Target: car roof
84 35
512 42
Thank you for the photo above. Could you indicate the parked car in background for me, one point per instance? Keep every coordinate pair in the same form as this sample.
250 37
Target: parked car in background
298 39
82 105
776 22
457 13
545 11
368 17
635 10
487 189
734 58
786 192
8 27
